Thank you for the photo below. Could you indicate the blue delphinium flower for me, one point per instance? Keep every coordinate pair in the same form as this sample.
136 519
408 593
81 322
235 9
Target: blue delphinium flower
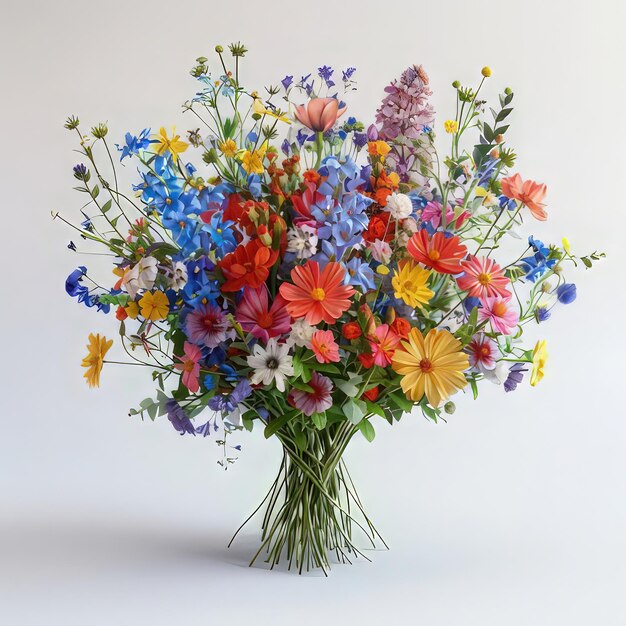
178 418
507 203
286 82
566 293
286 148
227 404
221 236
346 75
134 143
539 263
359 274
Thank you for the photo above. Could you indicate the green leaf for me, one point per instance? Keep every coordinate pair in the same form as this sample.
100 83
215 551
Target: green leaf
327 368
488 132
347 387
354 410
302 386
402 401
319 419
277 423
474 386
367 430
301 439
375 409
306 373
503 114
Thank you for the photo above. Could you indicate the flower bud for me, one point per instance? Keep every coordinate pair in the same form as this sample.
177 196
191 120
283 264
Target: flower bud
219 49
456 84
508 91
449 407
486 71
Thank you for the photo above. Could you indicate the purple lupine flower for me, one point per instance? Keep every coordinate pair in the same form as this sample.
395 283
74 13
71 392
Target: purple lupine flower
326 74
179 419
402 117
515 377
347 74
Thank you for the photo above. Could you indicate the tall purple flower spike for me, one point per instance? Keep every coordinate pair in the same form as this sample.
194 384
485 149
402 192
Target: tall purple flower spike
405 119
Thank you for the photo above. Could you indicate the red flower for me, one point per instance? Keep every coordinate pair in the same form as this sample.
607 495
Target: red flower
120 313
443 254
247 265
367 359
401 327
372 394
378 228
351 330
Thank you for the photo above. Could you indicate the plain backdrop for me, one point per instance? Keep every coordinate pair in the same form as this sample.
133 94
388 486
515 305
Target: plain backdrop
513 512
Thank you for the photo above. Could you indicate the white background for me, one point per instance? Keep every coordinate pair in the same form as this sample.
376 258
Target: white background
511 513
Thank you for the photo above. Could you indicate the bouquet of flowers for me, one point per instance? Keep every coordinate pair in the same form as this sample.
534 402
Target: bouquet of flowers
313 277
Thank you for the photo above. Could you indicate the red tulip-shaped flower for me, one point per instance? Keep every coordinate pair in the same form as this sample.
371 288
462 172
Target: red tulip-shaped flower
319 114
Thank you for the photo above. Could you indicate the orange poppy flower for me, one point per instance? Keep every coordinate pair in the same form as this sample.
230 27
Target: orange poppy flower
317 295
527 192
247 265
442 254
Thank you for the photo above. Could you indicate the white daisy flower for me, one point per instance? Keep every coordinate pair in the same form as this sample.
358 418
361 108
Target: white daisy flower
301 333
141 276
271 363
399 205
177 276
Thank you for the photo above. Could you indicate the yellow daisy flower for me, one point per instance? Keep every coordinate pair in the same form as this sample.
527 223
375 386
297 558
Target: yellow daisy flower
451 126
430 366
540 356
259 109
409 284
252 161
173 144
154 306
96 349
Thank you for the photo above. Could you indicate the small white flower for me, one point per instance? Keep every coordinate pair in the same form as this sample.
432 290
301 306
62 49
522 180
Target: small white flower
302 241
301 333
399 205
271 363
177 276
499 374
410 225
141 276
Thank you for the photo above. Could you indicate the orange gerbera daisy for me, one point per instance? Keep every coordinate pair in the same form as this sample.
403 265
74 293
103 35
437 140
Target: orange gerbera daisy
317 295
443 254
527 192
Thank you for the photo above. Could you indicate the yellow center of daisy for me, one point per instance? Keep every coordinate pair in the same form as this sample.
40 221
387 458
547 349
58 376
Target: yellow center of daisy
318 294
408 285
426 366
484 279
434 255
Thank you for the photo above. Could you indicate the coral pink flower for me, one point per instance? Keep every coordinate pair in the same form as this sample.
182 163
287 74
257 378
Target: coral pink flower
316 401
319 114
383 343
190 367
483 278
317 295
527 192
258 318
207 325
442 254
499 312
325 347
483 352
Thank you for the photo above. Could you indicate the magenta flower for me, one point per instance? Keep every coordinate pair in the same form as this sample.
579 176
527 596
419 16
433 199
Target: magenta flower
190 366
499 312
258 318
483 352
316 401
432 213
207 326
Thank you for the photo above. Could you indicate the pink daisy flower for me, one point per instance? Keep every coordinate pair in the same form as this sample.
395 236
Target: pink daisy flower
190 367
316 401
483 278
432 213
383 343
207 326
258 318
325 347
483 352
500 314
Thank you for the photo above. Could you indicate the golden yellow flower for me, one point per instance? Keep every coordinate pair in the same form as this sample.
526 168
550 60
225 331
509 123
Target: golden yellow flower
96 350
451 126
252 161
259 109
132 310
430 366
486 71
173 144
383 270
378 148
228 148
540 356
154 306
409 284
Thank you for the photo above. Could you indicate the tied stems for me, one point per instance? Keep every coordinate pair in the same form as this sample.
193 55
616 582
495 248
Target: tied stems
312 506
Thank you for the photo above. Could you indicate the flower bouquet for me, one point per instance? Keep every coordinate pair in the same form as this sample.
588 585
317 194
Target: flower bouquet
313 277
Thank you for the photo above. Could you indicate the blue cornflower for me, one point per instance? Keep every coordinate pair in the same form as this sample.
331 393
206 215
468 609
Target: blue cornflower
359 274
566 293
134 143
